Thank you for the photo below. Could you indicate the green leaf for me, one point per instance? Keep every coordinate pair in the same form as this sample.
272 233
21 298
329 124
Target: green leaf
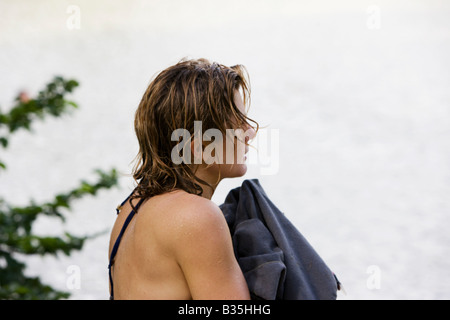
3 142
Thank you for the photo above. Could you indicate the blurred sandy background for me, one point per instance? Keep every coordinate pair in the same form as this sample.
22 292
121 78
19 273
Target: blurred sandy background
359 92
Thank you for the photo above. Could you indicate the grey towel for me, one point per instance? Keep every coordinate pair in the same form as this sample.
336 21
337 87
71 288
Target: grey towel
276 260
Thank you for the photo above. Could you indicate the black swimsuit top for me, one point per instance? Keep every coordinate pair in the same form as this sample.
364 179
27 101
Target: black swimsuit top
119 238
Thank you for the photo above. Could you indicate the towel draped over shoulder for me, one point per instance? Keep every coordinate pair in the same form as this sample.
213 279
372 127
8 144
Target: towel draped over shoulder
278 263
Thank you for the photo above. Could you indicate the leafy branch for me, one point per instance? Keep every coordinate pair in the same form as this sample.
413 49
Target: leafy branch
16 237
49 101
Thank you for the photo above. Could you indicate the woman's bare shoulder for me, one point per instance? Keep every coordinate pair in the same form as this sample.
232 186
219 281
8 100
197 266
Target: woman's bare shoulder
182 203
175 214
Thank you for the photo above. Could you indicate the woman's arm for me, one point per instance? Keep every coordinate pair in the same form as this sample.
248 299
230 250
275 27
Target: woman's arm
204 251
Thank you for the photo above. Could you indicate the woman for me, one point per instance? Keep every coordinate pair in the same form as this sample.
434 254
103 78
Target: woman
174 241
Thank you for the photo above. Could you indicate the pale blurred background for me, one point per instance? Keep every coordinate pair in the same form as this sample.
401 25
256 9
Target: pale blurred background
359 92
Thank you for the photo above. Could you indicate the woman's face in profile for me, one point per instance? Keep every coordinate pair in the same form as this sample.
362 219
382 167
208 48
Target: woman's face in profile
235 148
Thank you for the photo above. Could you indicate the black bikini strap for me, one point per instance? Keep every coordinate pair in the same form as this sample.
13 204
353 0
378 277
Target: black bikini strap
119 238
121 205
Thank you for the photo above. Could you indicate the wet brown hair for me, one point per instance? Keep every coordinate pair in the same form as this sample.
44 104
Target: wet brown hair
191 90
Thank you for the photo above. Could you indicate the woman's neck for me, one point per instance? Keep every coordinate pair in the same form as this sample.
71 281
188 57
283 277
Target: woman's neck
208 191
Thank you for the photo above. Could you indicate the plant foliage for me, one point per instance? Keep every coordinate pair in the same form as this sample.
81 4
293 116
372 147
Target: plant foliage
16 233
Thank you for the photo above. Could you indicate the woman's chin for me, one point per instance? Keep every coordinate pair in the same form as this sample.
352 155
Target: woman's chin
239 170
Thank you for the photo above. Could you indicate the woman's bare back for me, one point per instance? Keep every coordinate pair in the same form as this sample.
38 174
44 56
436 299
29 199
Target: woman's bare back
174 248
